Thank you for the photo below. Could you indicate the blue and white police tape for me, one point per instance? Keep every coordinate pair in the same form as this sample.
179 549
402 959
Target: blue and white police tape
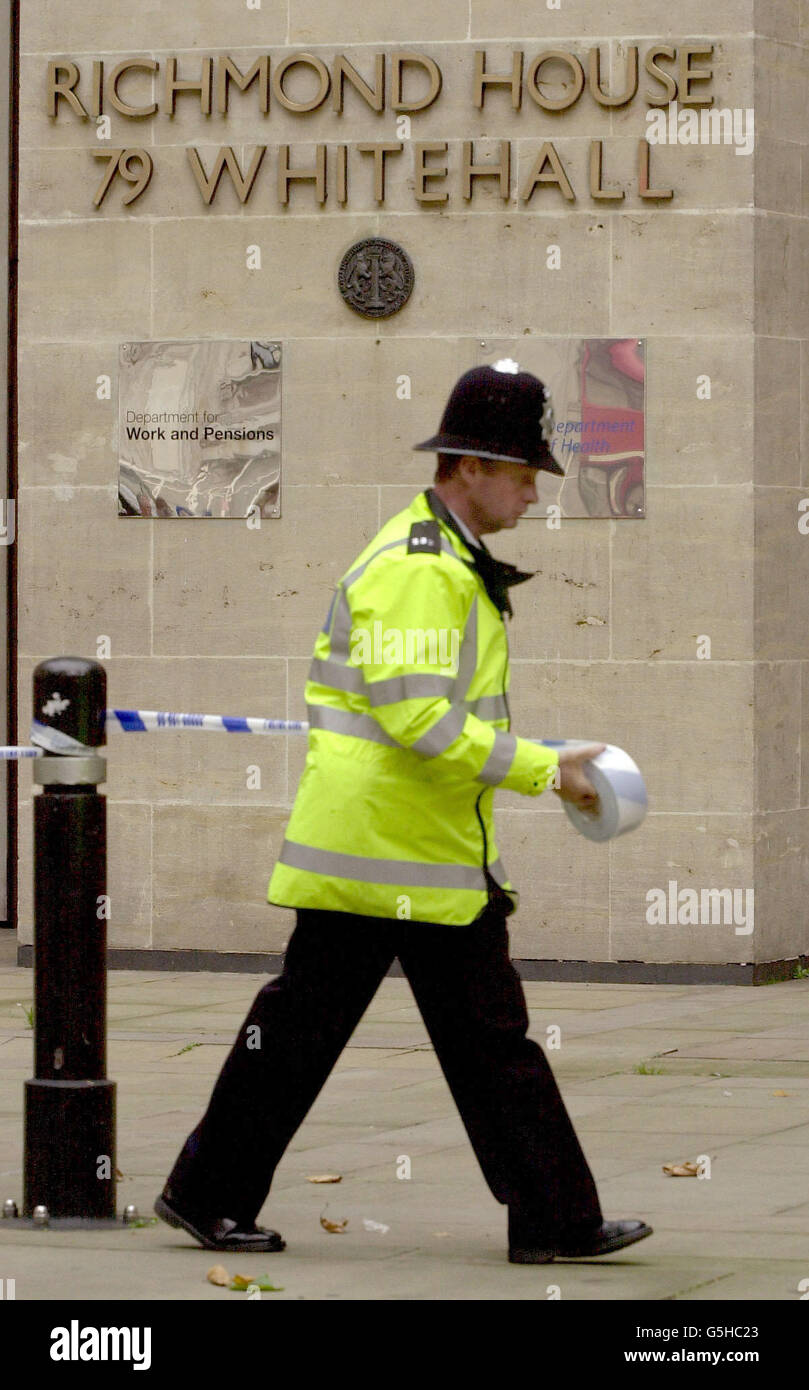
622 799
616 778
141 721
146 721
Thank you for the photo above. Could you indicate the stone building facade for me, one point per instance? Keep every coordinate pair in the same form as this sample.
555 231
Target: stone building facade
215 616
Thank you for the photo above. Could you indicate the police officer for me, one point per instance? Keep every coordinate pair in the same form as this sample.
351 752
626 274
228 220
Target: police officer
390 852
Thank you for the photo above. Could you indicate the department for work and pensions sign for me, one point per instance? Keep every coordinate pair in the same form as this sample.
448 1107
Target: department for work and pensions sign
672 80
199 429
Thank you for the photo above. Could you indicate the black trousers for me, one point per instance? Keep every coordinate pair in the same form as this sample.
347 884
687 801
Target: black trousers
472 1002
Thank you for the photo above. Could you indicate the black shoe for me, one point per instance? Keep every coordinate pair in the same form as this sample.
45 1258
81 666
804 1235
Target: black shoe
219 1232
602 1240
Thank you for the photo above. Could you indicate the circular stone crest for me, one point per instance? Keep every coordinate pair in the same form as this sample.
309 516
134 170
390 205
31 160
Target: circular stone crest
376 277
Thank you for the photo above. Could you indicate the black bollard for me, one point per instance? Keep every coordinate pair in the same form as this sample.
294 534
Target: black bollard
69 1156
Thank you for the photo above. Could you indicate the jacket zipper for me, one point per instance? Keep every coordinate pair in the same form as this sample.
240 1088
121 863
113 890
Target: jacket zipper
496 895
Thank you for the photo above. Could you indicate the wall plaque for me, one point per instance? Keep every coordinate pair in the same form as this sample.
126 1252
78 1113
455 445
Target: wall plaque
598 393
376 277
199 429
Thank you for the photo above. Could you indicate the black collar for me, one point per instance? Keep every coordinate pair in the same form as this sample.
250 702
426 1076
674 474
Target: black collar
497 575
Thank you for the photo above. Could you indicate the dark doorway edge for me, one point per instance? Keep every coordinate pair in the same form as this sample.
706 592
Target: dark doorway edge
10 736
621 972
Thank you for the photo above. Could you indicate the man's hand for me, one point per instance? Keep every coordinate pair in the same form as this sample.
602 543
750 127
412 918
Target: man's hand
575 785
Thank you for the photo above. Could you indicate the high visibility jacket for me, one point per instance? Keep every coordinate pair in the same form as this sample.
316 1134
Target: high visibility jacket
408 738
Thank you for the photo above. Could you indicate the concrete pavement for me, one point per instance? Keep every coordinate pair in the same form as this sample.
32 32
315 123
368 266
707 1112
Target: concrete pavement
651 1074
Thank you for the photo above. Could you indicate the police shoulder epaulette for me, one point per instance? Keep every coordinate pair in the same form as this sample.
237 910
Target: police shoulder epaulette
425 538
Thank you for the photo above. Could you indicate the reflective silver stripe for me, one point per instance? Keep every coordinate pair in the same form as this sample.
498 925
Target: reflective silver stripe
488 707
342 721
367 870
468 656
499 760
340 676
327 623
337 675
355 574
414 687
498 872
443 733
435 741
341 627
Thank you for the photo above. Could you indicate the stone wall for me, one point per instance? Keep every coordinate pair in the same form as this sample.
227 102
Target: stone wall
220 618
6 520
781 480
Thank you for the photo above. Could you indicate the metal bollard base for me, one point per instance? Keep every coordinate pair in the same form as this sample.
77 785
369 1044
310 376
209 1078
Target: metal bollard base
69 1159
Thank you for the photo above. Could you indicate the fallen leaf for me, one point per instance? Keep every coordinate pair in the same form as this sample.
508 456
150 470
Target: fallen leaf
782 1093
217 1274
337 1226
681 1170
375 1226
240 1282
327 1177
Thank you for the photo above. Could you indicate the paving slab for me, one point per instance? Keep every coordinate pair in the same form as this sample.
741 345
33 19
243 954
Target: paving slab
660 1118
770 1281
756 1045
742 1234
794 1136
